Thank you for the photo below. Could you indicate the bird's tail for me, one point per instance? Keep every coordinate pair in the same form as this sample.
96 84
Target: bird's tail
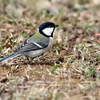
10 56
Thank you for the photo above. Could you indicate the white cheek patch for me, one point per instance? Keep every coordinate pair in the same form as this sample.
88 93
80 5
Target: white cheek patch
48 31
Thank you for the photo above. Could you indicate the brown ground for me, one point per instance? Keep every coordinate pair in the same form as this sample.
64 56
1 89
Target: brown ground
71 70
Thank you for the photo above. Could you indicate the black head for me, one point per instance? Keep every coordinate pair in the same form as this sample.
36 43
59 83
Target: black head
47 29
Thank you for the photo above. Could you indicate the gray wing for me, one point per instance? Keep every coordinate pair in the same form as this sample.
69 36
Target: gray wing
31 46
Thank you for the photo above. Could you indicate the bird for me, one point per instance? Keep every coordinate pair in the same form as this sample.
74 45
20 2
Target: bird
36 45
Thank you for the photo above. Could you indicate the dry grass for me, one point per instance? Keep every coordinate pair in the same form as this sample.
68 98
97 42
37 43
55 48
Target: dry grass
71 70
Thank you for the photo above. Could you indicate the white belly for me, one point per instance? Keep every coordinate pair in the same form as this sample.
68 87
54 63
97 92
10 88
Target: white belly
39 52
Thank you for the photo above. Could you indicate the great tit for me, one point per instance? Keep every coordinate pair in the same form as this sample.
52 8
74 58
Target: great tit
36 45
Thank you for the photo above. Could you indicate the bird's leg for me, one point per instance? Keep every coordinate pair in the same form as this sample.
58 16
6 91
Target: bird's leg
28 59
37 62
35 59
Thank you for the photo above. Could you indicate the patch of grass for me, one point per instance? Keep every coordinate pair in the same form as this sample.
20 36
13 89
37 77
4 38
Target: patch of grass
91 73
75 50
54 69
